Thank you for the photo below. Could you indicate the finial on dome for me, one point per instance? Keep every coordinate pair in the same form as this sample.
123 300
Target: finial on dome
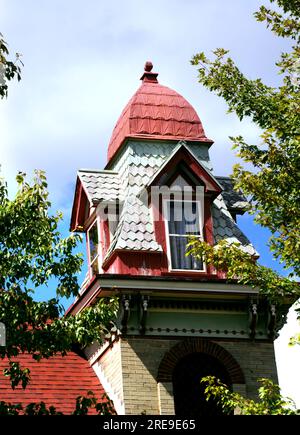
148 66
148 75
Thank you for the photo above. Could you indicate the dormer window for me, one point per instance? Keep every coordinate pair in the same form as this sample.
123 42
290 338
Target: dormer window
93 247
182 219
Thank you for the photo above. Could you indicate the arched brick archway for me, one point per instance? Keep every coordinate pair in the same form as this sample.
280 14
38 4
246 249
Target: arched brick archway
187 347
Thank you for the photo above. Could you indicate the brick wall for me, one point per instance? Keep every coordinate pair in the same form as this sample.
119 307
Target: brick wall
109 370
140 359
165 398
257 360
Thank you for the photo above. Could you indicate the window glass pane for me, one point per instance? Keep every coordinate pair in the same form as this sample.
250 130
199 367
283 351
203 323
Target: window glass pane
191 217
183 220
183 217
178 258
93 241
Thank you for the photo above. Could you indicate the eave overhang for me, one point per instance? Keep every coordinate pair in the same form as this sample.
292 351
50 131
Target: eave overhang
106 285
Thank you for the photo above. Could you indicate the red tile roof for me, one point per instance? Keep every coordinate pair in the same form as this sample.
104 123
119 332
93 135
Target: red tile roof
156 112
57 381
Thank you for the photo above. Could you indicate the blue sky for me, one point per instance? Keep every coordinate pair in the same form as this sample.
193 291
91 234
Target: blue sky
83 61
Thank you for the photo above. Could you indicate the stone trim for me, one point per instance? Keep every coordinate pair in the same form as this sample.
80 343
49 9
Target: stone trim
186 347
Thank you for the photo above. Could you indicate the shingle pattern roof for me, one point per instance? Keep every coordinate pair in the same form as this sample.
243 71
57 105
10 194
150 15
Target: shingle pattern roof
57 381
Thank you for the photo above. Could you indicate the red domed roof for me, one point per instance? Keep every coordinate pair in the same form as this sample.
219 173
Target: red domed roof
156 112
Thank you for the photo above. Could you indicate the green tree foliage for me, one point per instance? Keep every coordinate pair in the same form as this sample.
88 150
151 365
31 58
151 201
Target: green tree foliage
83 404
8 69
242 268
273 184
33 252
270 400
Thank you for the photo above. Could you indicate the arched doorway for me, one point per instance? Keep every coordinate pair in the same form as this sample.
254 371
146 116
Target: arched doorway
189 398
176 364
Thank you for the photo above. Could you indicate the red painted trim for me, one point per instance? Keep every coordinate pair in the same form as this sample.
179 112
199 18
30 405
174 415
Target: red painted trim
135 263
104 236
168 138
83 201
75 206
208 228
79 207
88 249
208 222
151 264
109 260
159 225
186 158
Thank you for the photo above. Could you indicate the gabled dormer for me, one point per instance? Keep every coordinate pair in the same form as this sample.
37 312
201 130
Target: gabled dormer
96 210
182 192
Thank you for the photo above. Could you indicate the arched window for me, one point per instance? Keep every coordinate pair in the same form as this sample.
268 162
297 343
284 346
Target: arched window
189 398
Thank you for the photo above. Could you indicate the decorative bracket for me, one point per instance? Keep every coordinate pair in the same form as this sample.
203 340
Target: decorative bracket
272 321
125 312
143 312
253 320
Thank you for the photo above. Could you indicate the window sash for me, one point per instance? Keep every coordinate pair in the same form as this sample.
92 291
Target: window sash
178 233
93 247
178 258
183 217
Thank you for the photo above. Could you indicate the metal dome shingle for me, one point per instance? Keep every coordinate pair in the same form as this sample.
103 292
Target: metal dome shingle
156 112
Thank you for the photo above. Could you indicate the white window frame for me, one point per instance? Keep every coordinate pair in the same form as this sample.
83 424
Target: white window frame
98 257
165 210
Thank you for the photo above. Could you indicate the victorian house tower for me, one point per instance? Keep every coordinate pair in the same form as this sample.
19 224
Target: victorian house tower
179 319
